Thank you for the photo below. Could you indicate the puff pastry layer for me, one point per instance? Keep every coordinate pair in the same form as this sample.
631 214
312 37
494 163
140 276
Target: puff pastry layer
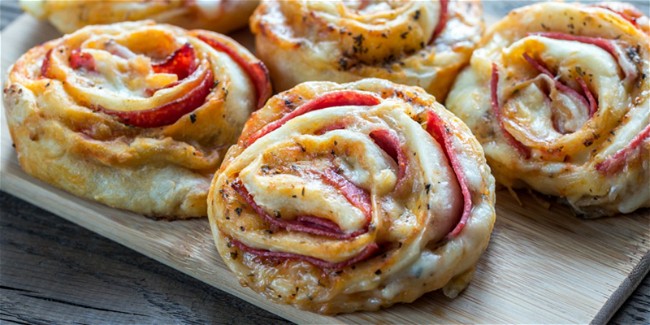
134 115
216 15
421 43
345 197
558 96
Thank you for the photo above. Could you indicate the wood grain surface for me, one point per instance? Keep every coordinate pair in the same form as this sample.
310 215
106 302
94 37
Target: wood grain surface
54 271
543 265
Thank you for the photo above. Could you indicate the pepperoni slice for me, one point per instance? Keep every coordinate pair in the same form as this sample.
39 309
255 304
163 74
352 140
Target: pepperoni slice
626 11
437 129
593 104
496 109
311 224
45 67
366 253
442 20
332 127
82 60
77 59
616 161
332 99
354 194
168 113
388 142
182 62
607 45
588 101
257 72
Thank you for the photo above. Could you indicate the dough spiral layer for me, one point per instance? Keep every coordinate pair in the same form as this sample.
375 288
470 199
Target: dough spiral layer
420 43
352 197
134 115
558 96
216 15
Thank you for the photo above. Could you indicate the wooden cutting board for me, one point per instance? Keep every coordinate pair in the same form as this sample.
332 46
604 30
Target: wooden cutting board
543 265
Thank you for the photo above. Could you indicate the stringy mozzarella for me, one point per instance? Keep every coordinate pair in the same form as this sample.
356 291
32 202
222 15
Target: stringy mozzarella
351 197
421 43
558 97
134 115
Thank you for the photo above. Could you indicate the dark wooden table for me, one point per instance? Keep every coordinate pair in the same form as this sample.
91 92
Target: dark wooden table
53 271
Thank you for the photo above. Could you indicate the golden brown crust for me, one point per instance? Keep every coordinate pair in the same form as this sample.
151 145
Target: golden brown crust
308 41
63 123
216 15
388 195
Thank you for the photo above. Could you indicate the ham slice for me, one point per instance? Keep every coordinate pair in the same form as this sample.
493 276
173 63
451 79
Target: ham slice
437 129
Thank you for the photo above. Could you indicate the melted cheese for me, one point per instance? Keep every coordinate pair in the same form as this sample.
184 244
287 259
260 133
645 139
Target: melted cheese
566 143
409 223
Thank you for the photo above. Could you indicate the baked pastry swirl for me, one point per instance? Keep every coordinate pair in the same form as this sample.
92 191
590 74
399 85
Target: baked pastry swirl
558 96
216 15
351 197
134 115
420 43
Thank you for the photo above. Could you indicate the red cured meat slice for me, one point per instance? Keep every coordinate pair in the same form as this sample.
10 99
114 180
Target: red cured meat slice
366 253
332 99
389 142
354 194
628 12
257 72
616 161
310 224
593 104
442 20
628 67
437 129
496 109
168 113
82 60
588 101
45 67
182 62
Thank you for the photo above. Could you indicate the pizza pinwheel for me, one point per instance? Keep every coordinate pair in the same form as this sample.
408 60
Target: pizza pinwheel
558 96
420 43
216 15
345 197
134 115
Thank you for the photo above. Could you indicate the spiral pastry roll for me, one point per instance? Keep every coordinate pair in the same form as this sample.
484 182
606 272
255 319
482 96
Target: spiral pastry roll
216 15
558 96
134 115
351 197
420 43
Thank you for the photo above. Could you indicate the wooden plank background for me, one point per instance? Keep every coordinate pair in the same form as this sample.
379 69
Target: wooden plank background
73 258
